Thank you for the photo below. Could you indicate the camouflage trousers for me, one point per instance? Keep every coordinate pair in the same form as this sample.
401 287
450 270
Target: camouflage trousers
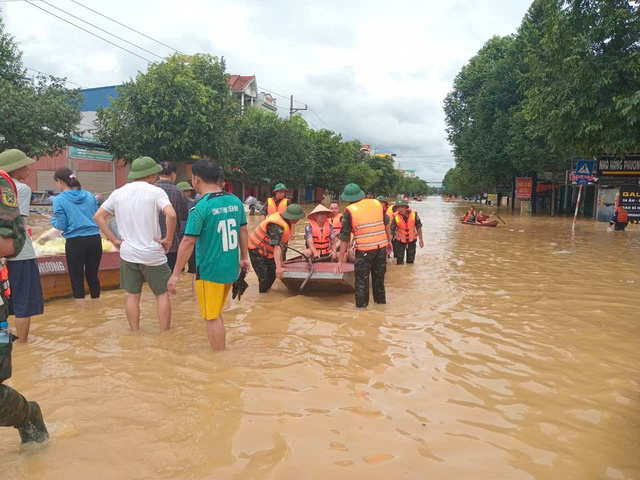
399 248
265 269
14 409
372 263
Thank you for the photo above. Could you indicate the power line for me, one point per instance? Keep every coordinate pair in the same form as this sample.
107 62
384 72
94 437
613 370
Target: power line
45 73
278 94
102 29
89 32
319 118
129 28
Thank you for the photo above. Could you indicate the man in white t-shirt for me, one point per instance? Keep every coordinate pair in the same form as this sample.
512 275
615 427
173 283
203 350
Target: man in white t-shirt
137 208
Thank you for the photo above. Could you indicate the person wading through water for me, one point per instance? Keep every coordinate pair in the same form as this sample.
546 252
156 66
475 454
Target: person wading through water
372 239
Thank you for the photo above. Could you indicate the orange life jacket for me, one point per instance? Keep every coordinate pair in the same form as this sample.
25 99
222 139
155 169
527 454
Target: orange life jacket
468 216
321 240
623 216
4 282
273 208
4 272
390 211
337 223
259 238
367 223
406 230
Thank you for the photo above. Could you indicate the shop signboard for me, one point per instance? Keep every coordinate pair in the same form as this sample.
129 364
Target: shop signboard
90 154
619 166
504 187
524 187
630 200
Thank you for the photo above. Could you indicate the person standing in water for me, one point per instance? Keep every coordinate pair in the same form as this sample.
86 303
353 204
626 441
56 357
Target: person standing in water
217 227
27 299
137 207
15 410
73 211
369 225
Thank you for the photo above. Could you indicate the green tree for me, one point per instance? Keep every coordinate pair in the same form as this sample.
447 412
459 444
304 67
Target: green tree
480 110
457 182
584 79
272 149
388 175
38 118
179 108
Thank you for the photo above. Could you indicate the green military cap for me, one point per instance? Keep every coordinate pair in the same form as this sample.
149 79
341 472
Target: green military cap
293 212
14 159
184 186
143 167
352 193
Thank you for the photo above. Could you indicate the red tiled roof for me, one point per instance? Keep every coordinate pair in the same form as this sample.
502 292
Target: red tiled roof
239 82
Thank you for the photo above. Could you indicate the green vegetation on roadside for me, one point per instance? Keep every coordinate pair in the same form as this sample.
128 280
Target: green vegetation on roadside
566 85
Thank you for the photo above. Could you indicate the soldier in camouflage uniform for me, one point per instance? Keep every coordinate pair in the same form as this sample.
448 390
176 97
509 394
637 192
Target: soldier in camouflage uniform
15 410
369 225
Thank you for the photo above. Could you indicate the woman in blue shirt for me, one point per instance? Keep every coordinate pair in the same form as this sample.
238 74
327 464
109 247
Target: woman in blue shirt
73 211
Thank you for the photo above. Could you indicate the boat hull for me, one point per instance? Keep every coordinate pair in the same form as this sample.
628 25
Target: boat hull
54 275
492 223
323 278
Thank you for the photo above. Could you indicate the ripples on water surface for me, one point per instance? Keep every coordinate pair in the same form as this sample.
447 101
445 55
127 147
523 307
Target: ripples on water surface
507 352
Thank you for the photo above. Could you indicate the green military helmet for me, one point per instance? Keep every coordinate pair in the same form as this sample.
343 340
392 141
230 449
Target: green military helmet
279 186
293 212
184 186
382 198
143 167
400 203
14 159
352 193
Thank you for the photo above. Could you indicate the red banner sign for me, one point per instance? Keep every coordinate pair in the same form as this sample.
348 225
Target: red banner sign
524 186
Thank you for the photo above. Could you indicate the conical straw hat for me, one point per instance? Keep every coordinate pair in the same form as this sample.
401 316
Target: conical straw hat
321 209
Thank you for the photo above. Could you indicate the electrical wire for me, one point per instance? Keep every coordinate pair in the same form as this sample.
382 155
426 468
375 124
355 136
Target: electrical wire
50 75
319 118
87 31
129 28
102 29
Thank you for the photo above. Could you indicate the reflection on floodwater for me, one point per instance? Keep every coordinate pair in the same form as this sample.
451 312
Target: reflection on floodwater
508 352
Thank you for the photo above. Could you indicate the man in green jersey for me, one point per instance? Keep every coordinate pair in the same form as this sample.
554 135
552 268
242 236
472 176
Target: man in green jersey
217 225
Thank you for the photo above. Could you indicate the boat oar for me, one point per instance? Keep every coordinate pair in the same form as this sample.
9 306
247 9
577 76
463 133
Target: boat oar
311 271
494 213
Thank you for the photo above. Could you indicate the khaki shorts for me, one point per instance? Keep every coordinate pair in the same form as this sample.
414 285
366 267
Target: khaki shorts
133 275
211 298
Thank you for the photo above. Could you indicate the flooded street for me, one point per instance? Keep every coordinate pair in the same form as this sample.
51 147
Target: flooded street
509 352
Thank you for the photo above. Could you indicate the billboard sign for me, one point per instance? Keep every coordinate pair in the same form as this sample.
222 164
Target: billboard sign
524 187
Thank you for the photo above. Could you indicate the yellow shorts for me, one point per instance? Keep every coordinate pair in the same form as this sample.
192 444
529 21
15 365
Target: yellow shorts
211 298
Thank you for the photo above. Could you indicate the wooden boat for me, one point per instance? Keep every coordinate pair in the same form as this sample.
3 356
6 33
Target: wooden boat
492 223
297 270
54 275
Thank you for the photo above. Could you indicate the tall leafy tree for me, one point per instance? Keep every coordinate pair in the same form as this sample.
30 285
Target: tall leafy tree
38 117
480 109
177 109
388 175
584 80
272 149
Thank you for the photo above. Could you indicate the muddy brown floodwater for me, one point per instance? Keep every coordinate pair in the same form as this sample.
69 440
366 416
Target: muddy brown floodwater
508 353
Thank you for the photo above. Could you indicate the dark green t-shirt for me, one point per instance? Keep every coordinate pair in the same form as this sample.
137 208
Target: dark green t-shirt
216 220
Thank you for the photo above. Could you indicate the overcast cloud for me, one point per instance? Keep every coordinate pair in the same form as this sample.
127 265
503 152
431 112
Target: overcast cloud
373 70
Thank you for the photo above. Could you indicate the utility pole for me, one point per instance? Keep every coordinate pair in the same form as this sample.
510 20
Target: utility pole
294 110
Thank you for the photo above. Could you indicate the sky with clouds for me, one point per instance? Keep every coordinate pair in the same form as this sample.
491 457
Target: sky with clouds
373 70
